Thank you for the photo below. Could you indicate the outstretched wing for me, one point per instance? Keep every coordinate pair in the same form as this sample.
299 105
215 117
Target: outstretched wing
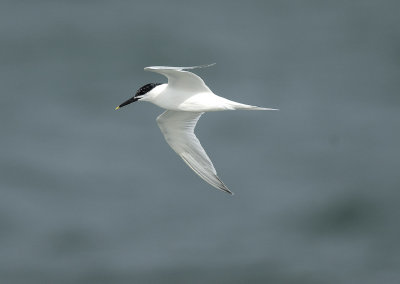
178 129
180 79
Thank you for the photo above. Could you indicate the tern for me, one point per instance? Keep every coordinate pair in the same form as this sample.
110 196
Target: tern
186 97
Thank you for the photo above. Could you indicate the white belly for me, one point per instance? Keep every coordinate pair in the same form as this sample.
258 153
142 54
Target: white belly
180 101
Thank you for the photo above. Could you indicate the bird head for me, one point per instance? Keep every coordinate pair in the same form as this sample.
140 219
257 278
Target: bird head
139 94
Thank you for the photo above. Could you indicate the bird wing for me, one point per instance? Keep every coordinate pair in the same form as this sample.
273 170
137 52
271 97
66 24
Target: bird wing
178 129
180 79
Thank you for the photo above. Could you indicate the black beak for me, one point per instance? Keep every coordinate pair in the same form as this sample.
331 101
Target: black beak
131 100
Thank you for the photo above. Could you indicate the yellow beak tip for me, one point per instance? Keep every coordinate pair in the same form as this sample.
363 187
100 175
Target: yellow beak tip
117 108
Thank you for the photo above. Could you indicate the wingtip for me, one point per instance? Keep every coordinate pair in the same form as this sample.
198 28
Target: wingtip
223 187
226 190
199 66
151 68
207 65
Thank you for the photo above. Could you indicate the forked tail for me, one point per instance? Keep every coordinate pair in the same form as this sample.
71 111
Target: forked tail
249 107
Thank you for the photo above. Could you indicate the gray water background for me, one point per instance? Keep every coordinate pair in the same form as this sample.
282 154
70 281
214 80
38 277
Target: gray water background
91 195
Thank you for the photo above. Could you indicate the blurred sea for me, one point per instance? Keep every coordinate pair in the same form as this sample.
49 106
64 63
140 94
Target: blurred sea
90 195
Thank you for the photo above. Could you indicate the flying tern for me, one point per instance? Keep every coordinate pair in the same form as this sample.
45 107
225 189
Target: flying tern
186 97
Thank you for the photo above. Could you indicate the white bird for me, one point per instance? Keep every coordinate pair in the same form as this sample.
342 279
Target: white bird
186 97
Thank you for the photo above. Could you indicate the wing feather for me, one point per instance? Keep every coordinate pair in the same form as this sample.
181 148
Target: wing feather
180 79
178 130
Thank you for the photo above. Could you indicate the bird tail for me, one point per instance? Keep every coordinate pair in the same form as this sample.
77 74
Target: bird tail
232 105
249 107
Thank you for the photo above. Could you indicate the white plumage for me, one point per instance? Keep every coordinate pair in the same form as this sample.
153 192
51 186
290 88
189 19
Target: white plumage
186 97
